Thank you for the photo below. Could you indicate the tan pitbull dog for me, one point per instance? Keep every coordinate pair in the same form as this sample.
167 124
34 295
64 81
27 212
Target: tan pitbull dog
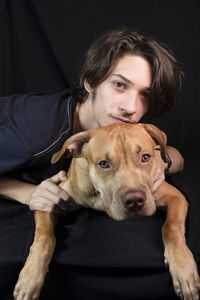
113 171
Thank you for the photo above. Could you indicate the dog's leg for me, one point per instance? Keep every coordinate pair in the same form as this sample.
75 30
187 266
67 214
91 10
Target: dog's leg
32 276
178 257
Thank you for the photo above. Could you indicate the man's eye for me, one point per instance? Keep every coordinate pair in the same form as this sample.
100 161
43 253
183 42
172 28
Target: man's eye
103 164
145 95
119 85
146 157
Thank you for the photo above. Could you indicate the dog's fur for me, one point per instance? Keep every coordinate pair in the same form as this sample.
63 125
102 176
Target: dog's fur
113 171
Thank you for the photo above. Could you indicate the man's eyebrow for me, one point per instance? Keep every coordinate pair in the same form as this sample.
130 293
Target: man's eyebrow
123 78
128 81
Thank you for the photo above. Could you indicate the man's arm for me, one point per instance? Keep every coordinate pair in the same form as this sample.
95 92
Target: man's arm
15 190
47 196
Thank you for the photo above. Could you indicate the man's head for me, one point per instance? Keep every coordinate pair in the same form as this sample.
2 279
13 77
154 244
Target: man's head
123 97
108 49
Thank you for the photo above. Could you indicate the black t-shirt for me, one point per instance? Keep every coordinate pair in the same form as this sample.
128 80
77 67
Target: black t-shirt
32 128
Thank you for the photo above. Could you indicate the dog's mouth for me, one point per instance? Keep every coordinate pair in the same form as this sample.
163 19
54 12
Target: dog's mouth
131 204
96 193
120 215
125 204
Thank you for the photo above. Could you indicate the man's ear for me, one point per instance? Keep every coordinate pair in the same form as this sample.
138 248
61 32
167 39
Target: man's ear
159 137
88 87
73 145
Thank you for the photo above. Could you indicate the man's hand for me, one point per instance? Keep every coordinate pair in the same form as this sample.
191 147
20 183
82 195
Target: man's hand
48 196
177 160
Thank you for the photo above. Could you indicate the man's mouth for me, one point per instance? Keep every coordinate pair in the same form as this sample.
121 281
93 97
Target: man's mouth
121 120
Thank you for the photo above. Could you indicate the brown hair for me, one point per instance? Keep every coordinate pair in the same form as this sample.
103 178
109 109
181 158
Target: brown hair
102 56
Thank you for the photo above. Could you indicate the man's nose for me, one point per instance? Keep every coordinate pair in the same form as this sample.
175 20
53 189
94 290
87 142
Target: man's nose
129 105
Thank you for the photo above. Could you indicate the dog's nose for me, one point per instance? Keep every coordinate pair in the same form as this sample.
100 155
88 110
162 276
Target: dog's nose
133 200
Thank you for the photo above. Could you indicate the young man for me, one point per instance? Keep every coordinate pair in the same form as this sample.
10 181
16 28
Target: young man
124 77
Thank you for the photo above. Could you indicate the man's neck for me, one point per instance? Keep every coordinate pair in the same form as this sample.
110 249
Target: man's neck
83 117
76 124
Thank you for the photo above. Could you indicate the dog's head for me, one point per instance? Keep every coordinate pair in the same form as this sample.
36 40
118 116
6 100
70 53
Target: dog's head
121 165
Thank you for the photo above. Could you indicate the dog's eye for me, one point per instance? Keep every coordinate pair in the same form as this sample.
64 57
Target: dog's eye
104 164
146 157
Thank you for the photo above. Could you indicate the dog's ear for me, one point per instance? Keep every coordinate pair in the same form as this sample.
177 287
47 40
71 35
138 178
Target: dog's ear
159 137
73 146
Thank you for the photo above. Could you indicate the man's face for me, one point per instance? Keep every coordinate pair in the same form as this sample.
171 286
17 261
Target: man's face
123 96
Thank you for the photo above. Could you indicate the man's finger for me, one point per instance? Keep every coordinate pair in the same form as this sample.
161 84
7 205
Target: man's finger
55 190
61 176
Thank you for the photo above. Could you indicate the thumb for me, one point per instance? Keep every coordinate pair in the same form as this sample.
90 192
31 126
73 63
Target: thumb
60 176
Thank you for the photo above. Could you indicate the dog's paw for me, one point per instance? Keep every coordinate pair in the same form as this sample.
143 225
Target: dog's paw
29 285
185 277
187 286
26 291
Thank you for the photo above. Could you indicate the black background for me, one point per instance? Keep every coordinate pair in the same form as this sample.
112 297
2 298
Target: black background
41 45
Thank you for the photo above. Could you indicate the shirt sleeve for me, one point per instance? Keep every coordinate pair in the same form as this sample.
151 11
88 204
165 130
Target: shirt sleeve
13 149
28 124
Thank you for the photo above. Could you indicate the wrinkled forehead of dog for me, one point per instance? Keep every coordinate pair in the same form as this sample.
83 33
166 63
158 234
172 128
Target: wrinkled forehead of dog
119 139
115 138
